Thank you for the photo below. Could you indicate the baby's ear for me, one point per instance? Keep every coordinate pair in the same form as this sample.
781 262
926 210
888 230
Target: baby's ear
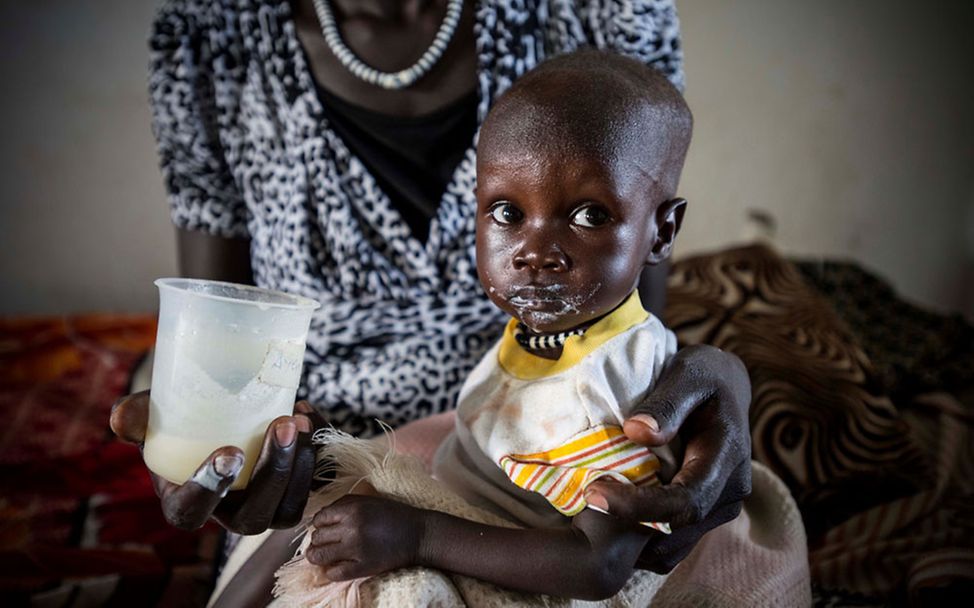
669 218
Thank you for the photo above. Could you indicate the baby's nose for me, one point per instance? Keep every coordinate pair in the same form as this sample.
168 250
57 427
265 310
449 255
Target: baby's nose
546 256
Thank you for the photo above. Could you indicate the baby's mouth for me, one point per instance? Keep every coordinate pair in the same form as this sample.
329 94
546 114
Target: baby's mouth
537 304
536 298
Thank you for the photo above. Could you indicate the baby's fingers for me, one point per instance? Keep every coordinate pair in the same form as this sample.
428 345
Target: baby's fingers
328 555
345 508
336 554
346 571
327 535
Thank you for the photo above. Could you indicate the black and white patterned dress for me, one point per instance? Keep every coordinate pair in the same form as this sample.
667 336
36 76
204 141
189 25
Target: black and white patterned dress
246 152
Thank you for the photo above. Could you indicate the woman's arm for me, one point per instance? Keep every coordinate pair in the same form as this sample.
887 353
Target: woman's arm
206 256
366 535
704 395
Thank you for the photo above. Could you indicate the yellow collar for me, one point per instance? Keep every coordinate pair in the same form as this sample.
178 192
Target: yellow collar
522 364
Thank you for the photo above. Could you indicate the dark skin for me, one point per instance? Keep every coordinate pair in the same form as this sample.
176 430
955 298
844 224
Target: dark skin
704 393
563 232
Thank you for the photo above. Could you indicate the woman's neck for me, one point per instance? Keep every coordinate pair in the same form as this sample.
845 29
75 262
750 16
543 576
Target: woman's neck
389 44
381 9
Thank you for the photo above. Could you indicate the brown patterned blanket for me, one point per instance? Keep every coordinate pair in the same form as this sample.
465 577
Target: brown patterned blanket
862 405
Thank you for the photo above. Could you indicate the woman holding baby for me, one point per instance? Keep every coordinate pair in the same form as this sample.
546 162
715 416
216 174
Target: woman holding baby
292 162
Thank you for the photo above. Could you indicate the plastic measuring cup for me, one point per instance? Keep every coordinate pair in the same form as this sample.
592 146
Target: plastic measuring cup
227 362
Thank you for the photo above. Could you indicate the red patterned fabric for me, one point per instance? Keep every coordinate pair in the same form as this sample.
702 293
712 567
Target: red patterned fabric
79 520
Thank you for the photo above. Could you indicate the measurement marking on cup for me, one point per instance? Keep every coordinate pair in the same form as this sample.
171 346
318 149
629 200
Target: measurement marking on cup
282 363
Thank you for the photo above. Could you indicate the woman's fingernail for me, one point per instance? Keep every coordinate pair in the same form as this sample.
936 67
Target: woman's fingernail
597 500
304 407
647 420
285 432
303 423
227 466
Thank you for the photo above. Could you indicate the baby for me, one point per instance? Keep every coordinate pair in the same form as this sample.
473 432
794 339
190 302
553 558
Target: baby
577 169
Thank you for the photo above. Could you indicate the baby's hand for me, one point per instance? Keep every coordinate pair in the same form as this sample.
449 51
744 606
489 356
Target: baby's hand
361 536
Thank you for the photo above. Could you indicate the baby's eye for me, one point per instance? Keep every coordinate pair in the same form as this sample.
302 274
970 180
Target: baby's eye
590 216
506 213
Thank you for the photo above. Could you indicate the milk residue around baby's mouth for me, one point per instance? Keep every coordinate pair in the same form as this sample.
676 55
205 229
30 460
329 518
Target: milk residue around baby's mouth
548 303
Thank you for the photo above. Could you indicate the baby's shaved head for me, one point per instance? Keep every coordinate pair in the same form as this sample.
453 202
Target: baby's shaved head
594 103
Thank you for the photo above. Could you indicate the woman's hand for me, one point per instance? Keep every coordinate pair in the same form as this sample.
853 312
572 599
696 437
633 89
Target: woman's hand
704 394
275 494
365 535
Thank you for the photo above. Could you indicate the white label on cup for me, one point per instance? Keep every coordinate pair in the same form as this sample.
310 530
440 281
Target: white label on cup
282 364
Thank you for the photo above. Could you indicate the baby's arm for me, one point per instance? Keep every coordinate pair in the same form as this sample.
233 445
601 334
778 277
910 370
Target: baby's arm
365 535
